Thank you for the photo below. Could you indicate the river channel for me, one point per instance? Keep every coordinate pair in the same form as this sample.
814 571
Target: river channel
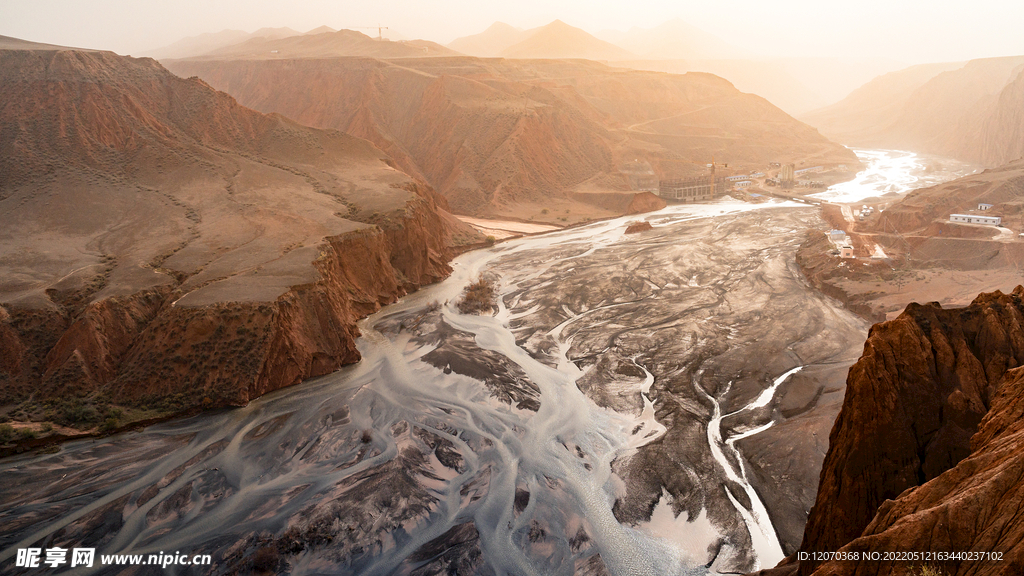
649 403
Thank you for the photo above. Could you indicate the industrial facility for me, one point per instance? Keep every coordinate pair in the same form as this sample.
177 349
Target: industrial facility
697 188
692 189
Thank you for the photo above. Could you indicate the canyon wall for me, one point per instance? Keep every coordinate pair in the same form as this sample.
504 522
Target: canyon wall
165 249
925 453
970 111
144 349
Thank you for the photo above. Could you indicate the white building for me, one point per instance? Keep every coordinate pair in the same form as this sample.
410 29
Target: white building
983 206
975 219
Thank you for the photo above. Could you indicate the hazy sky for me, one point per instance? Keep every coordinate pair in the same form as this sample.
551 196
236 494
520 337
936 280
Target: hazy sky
908 31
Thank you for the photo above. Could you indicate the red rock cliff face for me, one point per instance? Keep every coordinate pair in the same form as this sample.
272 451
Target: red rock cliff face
902 471
972 507
144 349
165 248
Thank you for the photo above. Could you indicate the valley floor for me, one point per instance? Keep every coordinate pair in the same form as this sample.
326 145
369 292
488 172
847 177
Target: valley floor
624 390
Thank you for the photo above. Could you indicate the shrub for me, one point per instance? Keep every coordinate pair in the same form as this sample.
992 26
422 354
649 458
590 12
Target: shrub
109 424
477 297
76 413
6 433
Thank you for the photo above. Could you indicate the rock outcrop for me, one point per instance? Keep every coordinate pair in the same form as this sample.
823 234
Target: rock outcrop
925 454
165 249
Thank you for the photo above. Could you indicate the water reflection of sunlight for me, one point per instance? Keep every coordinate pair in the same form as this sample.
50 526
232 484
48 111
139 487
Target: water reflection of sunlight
893 172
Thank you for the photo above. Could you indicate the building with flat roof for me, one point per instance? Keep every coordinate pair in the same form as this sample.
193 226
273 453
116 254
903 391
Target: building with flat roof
976 219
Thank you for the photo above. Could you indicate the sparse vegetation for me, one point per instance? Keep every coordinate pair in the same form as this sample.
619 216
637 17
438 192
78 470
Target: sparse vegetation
477 298
6 433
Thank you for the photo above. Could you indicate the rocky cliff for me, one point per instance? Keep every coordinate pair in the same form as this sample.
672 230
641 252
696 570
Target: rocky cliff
165 249
925 453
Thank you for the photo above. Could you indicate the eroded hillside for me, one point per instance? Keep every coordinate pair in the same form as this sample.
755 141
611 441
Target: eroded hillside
970 111
165 248
516 137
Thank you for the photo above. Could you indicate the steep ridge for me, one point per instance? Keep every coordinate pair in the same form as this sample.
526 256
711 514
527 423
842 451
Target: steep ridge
491 42
164 248
203 43
1001 136
517 137
560 40
973 507
329 44
861 117
945 109
925 453
797 85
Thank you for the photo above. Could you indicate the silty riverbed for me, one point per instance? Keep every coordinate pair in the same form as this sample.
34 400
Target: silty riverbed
652 403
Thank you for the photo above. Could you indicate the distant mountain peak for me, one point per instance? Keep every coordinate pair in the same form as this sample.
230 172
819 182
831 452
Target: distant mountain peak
321 30
560 40
501 26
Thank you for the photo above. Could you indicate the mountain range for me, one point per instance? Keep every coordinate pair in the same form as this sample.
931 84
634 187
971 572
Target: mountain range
971 111
517 137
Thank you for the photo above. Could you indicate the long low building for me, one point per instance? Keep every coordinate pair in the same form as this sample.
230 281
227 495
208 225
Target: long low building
976 219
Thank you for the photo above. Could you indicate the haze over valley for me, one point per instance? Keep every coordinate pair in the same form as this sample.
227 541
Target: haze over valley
538 289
